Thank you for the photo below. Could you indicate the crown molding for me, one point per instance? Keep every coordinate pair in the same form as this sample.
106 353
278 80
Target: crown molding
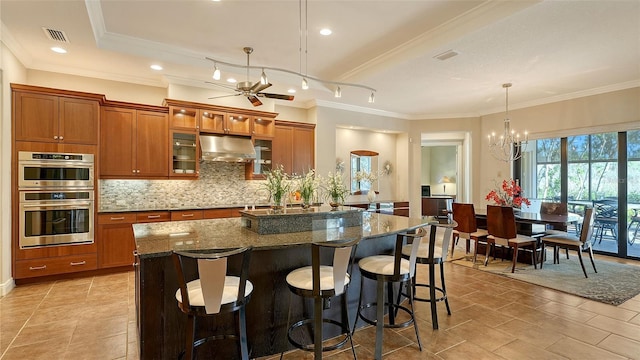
18 51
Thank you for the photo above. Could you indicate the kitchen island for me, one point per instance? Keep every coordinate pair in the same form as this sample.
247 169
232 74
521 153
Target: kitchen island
161 324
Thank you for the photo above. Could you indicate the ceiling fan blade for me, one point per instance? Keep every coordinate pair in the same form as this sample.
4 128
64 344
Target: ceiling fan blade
222 85
254 100
257 87
277 96
223 96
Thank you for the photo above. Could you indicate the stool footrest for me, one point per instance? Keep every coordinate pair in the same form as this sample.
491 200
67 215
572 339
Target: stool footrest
311 347
440 290
386 325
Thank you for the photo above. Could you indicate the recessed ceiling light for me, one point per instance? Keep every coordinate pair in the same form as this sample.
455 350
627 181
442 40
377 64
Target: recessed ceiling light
232 80
58 50
156 67
325 32
291 91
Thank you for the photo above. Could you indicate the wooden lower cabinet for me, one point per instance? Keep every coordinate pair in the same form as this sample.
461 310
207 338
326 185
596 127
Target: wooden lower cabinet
115 236
54 265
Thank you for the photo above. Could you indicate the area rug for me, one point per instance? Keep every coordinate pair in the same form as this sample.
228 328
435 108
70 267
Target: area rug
613 284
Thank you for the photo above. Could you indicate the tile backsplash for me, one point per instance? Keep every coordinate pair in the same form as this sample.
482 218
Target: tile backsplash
218 184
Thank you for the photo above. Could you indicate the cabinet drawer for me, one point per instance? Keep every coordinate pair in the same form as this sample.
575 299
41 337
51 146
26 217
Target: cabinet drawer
186 215
152 216
216 213
55 265
123 218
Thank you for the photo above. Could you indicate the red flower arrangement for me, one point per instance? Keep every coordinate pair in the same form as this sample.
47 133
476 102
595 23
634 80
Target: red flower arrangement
508 195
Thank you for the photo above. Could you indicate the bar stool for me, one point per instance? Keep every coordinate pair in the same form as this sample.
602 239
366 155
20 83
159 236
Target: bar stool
387 270
465 216
431 255
321 283
215 289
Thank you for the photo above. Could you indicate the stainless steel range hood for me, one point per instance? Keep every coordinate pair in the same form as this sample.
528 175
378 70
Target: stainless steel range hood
227 148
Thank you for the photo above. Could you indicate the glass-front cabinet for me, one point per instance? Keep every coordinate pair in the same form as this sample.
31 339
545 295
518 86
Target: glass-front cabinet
184 154
264 156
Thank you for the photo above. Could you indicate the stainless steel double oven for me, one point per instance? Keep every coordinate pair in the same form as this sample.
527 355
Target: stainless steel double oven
56 194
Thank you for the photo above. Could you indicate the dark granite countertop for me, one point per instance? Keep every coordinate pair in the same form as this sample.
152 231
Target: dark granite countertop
159 239
120 209
105 208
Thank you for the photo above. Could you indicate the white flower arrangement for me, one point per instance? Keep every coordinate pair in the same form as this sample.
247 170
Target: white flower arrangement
366 176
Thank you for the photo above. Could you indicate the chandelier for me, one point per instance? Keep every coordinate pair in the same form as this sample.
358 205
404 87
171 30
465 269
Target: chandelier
509 146
306 78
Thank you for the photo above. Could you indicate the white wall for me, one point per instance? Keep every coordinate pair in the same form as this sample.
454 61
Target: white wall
330 121
12 72
113 90
384 144
614 111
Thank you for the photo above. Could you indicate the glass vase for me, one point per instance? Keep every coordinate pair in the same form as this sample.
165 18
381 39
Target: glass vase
335 202
277 205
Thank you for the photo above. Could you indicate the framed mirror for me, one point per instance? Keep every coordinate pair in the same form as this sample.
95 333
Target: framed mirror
364 172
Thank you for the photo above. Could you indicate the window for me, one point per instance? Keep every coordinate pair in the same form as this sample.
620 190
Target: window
548 169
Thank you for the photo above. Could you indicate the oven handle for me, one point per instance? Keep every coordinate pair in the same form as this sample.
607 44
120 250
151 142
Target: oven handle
62 206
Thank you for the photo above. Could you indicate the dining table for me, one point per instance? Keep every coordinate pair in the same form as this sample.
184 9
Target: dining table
534 223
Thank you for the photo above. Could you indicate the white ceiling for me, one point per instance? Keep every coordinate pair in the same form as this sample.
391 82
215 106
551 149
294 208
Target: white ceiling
550 50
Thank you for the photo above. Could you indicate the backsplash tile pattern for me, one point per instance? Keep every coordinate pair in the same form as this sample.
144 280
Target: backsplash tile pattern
219 184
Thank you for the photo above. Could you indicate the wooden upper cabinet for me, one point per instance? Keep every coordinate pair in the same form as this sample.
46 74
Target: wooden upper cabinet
282 148
152 144
57 119
184 118
117 145
212 121
303 150
133 143
239 124
293 147
263 126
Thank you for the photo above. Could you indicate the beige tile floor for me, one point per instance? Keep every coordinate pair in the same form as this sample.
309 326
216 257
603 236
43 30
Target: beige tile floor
493 318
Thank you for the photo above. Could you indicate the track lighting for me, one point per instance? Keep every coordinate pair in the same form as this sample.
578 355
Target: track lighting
216 72
305 84
338 92
372 99
263 78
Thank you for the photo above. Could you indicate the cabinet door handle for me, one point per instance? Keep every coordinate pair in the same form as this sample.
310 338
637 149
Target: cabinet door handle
153 216
133 171
38 267
55 137
61 137
117 218
77 263
187 215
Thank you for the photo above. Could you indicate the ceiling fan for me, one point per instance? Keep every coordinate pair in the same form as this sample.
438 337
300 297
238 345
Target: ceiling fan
251 91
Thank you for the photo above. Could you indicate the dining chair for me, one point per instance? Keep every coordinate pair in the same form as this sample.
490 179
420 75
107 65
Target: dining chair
635 220
465 216
501 225
570 242
213 289
322 281
553 208
605 219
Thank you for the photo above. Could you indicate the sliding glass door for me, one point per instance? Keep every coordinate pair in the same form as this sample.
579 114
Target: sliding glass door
633 193
588 171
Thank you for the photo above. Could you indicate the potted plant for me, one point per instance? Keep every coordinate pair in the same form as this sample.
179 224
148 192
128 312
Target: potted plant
307 187
278 186
335 190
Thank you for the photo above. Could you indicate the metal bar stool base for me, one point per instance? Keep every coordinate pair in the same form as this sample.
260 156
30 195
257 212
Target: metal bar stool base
311 347
386 325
